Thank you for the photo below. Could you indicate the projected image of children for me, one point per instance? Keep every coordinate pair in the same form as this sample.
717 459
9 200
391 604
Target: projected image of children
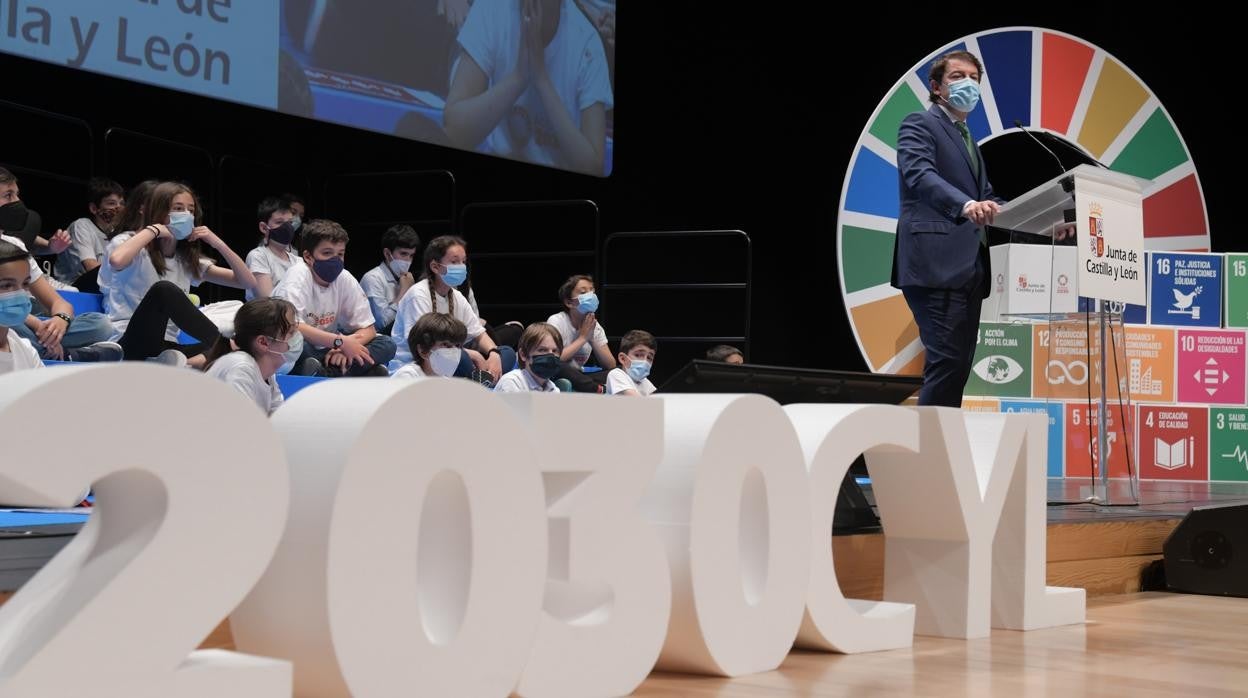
529 80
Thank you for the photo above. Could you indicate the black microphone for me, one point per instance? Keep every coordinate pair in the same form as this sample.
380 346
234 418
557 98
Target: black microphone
1066 144
1068 183
1040 143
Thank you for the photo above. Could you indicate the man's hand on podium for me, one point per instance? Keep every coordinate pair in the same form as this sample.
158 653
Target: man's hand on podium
1065 231
981 212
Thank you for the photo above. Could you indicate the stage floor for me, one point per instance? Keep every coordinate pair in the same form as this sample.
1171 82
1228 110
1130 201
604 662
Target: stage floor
1133 645
1158 499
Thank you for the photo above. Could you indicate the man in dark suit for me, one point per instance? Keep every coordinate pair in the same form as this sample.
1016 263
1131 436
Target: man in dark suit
940 260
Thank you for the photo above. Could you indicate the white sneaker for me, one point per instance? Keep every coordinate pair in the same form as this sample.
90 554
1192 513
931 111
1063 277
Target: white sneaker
170 357
59 285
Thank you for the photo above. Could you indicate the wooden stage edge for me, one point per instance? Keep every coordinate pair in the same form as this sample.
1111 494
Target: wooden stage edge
1104 557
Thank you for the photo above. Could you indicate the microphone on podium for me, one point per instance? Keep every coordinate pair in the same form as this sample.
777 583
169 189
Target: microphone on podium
1066 144
1068 185
1060 166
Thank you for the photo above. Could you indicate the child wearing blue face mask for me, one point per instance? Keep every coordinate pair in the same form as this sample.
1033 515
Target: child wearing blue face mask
16 353
540 346
578 324
435 340
148 274
637 352
583 336
339 338
62 336
445 268
249 359
387 282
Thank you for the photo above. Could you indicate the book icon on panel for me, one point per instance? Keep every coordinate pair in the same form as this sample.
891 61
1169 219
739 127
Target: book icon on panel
1172 456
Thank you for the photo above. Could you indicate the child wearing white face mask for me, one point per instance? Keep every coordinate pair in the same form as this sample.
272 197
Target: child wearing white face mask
16 353
263 332
435 340
637 352
387 282
444 268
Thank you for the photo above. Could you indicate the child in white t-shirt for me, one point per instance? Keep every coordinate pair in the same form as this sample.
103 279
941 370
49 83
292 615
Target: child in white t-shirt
387 283
62 336
578 324
637 352
148 274
273 257
89 235
540 346
435 341
263 331
16 353
334 318
583 336
445 267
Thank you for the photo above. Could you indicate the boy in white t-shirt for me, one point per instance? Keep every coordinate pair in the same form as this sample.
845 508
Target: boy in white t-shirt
435 340
63 336
334 317
249 359
544 104
273 257
386 283
540 346
637 352
16 354
89 235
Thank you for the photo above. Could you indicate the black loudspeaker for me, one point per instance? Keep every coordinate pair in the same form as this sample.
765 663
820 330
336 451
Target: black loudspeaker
1208 552
853 512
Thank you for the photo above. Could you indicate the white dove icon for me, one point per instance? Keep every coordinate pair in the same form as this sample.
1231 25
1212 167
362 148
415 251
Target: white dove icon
1183 301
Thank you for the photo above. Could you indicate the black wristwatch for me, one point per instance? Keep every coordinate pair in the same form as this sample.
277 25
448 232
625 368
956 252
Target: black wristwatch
338 342
68 320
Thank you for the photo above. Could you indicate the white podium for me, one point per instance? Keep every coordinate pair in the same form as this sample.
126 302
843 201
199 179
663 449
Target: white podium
1106 209
1031 280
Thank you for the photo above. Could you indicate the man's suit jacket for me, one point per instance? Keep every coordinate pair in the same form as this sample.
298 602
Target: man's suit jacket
936 245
